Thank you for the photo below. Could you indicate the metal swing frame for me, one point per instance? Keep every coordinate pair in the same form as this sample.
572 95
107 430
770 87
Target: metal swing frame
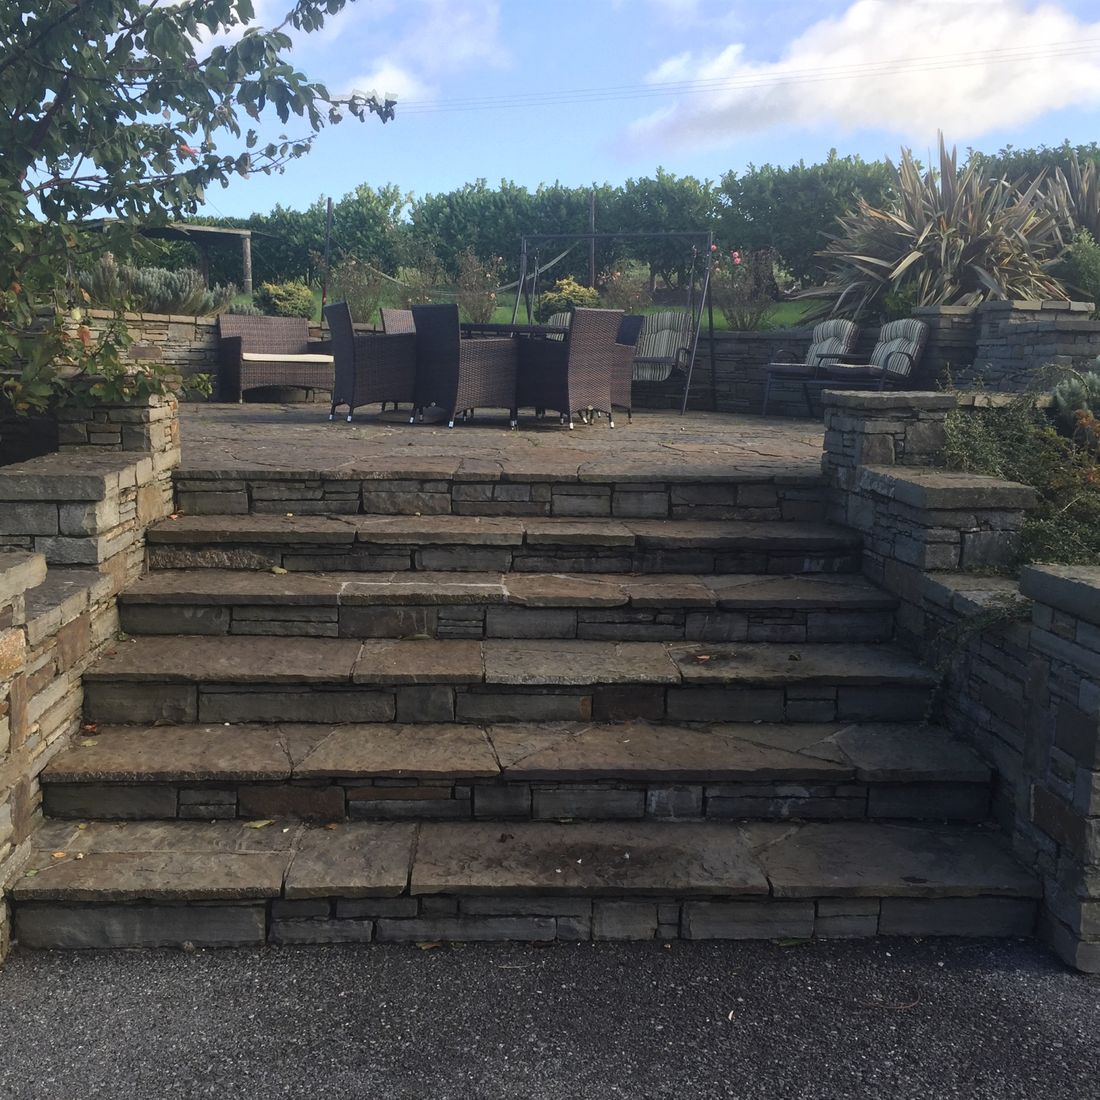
526 294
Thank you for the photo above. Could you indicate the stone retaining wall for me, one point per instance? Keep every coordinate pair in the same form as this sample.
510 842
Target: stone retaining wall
72 530
1020 664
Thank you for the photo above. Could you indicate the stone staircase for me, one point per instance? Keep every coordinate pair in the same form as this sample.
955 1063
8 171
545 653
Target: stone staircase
404 727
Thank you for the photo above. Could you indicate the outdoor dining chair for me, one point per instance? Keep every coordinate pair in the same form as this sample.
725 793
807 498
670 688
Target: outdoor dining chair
830 340
370 366
574 374
622 363
461 375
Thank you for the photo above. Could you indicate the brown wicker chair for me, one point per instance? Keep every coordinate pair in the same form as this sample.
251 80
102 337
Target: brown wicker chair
397 320
269 351
458 374
622 363
370 366
574 374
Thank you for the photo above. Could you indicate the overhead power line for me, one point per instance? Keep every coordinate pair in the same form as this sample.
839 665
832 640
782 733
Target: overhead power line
818 74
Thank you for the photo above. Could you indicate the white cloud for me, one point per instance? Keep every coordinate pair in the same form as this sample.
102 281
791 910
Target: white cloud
393 79
965 68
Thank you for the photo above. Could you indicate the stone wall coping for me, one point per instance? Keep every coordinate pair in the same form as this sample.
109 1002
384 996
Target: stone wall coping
943 311
970 594
74 476
64 595
20 570
925 487
109 315
873 400
985 399
1074 589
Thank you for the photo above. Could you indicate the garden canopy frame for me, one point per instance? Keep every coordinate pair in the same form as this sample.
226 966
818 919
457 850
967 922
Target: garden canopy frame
705 238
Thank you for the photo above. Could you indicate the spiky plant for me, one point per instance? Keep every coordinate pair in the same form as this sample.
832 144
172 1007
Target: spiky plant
949 237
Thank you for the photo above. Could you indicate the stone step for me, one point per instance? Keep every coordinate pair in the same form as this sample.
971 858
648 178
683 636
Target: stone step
823 607
229 884
388 544
539 771
233 679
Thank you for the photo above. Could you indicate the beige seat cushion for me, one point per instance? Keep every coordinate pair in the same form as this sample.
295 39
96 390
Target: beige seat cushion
272 357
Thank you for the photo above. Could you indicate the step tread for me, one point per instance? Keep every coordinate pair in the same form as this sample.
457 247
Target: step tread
182 861
874 752
270 660
847 591
450 530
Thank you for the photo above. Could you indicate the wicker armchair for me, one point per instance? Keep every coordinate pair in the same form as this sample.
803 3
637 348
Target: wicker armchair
830 340
622 363
457 374
269 351
370 366
573 374
397 320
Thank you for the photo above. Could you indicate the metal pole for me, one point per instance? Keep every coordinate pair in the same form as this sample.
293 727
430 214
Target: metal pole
328 246
522 277
592 238
695 342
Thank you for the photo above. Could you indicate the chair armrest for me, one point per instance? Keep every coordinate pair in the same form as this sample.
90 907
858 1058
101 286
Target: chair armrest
912 362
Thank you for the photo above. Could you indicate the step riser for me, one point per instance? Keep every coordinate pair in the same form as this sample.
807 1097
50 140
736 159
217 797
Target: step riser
127 702
480 621
253 922
357 558
796 499
394 800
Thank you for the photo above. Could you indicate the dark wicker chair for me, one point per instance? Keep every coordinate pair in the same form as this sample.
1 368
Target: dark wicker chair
269 351
397 320
622 363
461 375
572 375
370 366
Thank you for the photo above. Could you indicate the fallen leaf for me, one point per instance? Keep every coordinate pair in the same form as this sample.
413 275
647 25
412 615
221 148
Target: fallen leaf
429 946
794 941
82 825
79 855
89 727
174 515
702 656
30 874
278 570
332 825
259 824
88 742
60 855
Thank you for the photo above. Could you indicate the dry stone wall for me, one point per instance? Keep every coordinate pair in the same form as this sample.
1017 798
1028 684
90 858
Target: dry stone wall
72 534
1019 663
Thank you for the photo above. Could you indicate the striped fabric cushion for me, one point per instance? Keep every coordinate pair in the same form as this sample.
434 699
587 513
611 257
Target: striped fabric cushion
907 335
834 337
558 320
663 334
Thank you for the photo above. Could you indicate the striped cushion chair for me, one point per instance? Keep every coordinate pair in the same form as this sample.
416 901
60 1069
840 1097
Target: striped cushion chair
830 340
899 348
664 345
558 320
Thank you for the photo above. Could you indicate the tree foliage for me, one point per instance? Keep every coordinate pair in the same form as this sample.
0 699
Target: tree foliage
790 210
131 109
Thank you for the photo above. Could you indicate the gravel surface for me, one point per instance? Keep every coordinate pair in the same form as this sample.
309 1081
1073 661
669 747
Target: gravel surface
887 1019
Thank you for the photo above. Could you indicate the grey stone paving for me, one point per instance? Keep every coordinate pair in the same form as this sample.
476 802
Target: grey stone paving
257 437
894 1020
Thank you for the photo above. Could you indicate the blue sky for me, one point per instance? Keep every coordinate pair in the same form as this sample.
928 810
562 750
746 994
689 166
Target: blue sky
586 91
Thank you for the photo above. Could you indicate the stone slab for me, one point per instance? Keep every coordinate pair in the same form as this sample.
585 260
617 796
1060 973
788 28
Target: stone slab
909 752
571 532
228 660
437 530
425 661
448 589
564 590
768 663
562 663
1074 589
265 530
839 591
929 488
221 587
353 860
640 750
597 859
166 754
69 477
426 751
20 571
861 859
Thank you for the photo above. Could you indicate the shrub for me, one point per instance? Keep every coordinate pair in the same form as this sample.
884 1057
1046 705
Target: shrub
1082 267
744 288
477 286
1018 442
285 299
566 296
1077 406
245 309
153 289
357 283
626 288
